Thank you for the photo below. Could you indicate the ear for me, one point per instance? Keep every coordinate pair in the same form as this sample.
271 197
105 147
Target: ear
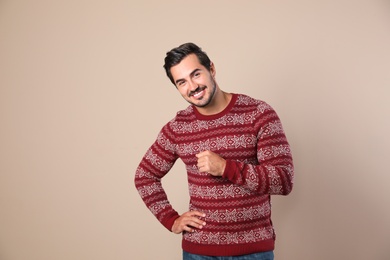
212 69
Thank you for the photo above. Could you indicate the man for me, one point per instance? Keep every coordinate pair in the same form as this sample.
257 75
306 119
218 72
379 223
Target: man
236 156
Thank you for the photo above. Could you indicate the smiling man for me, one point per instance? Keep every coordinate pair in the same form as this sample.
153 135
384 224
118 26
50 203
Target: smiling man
236 156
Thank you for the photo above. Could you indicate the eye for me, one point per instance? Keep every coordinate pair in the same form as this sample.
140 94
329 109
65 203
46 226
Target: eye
196 75
181 83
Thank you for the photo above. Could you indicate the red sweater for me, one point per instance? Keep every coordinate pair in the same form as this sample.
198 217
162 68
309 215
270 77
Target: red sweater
249 136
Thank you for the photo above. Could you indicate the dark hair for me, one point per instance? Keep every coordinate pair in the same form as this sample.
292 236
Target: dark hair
176 55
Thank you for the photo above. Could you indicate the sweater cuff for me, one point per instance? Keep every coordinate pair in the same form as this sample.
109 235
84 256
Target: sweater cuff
230 171
168 224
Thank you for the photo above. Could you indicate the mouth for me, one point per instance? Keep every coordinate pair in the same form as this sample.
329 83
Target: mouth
198 93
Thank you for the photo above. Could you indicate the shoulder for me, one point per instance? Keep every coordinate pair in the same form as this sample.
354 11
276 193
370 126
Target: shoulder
182 117
184 113
256 105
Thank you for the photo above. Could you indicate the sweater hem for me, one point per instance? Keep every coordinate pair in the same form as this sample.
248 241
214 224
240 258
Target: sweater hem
229 250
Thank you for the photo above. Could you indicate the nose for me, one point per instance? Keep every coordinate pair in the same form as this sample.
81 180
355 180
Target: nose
193 85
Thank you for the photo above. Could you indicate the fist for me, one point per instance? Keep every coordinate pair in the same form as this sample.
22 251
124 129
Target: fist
211 163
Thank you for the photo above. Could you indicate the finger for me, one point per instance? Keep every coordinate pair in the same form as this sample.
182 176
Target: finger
202 167
182 224
195 223
185 228
188 229
201 154
196 213
188 222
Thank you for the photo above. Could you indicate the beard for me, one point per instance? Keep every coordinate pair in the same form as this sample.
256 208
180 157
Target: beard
206 100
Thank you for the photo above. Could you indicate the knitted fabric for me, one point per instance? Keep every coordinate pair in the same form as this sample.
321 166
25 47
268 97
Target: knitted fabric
249 136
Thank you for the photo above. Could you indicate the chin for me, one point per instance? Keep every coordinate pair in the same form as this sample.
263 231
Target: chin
202 104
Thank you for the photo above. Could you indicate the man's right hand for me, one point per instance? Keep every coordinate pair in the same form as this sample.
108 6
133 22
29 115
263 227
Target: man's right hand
188 222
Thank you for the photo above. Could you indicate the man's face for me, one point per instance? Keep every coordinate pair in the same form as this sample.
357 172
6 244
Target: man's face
195 83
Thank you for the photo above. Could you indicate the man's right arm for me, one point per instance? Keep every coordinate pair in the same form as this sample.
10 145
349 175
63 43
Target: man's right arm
155 164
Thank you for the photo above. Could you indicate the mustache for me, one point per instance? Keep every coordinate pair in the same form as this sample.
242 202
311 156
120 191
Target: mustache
198 89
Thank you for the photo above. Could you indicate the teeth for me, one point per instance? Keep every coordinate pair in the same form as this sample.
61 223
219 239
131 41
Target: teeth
198 94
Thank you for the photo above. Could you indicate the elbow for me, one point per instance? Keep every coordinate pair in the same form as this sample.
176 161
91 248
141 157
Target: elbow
288 189
289 180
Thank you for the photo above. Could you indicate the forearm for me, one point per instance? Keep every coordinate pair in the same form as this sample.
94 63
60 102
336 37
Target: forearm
154 196
272 178
155 164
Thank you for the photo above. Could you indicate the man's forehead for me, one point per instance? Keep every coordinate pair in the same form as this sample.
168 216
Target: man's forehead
186 66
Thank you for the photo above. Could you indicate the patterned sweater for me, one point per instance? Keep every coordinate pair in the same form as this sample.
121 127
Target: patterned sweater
249 136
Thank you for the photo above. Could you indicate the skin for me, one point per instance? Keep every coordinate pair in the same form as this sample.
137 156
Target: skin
198 86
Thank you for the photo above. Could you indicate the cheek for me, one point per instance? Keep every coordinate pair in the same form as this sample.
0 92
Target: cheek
183 91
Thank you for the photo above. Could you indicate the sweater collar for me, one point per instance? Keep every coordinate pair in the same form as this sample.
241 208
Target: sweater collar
218 115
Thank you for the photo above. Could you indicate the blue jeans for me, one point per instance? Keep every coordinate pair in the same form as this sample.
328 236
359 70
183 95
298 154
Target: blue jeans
257 256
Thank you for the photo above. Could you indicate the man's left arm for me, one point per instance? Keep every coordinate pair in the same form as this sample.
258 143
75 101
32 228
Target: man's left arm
274 173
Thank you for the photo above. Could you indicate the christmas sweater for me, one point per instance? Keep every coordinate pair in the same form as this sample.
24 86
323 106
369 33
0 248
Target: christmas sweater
248 134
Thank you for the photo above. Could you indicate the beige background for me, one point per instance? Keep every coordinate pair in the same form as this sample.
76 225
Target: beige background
83 95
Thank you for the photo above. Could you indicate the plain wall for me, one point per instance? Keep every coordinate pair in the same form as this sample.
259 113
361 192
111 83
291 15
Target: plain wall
83 94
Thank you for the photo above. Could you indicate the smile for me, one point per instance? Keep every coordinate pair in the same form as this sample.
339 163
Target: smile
197 93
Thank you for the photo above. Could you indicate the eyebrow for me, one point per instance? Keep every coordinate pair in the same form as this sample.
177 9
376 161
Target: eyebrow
191 74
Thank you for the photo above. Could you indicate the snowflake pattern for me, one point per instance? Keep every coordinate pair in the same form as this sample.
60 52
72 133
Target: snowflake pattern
216 192
273 151
218 143
239 214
